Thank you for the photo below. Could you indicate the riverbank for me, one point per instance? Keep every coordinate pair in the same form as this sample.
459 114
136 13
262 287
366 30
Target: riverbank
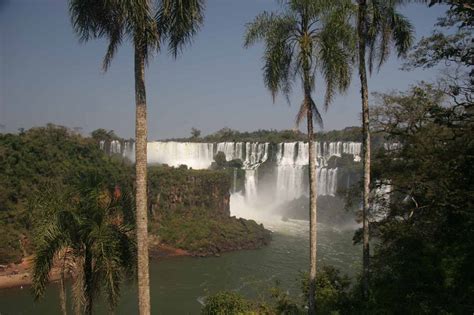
19 275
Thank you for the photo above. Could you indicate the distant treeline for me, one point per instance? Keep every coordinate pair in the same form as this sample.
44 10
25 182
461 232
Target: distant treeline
261 135
272 136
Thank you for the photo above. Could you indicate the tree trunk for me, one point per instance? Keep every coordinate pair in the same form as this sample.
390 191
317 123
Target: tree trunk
88 282
62 293
312 213
141 182
362 13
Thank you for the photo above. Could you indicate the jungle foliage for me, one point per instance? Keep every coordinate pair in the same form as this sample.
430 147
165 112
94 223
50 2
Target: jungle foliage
40 157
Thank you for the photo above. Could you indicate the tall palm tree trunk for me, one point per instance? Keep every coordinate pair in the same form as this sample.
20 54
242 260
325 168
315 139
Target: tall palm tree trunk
361 29
88 282
312 213
305 48
62 286
62 293
141 182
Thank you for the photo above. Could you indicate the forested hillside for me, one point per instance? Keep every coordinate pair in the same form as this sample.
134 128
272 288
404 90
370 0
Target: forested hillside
32 163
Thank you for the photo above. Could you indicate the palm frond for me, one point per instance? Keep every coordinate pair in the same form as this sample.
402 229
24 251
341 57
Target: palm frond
306 37
386 27
402 33
114 256
114 43
257 30
50 242
127 206
336 50
309 104
371 26
277 33
178 21
276 69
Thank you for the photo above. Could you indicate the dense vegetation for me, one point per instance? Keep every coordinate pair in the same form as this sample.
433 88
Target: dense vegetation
334 297
425 249
86 230
202 234
40 157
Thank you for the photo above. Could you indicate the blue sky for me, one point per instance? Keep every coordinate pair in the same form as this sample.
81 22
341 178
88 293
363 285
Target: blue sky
46 75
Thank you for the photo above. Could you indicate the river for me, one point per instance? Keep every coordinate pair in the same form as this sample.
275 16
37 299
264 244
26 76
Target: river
179 285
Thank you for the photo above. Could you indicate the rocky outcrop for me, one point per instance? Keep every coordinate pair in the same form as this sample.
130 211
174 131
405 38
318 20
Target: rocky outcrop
173 189
191 212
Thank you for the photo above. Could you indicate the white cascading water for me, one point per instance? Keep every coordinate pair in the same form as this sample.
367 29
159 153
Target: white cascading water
353 148
290 170
194 155
251 185
115 147
290 160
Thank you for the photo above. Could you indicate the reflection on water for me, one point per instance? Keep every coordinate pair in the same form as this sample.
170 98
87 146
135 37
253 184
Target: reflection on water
179 285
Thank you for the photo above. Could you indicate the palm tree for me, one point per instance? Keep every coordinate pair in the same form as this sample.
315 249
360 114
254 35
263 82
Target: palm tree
307 36
148 25
379 27
88 234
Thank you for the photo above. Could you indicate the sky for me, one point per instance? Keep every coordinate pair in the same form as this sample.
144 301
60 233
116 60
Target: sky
47 75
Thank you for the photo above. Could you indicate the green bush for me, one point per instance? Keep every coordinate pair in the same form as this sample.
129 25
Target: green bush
332 291
226 303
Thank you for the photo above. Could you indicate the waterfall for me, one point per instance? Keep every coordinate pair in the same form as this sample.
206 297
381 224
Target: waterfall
332 181
353 148
289 162
251 185
194 155
234 182
292 170
231 150
115 147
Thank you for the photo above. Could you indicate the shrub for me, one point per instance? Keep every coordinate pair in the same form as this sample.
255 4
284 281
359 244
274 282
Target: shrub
332 291
225 303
